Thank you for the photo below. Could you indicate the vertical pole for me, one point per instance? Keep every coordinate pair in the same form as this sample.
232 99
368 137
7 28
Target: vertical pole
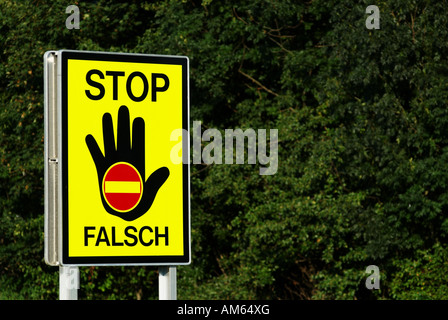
167 283
68 283
51 167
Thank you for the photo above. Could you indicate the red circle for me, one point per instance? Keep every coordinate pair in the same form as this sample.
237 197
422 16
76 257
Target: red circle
122 187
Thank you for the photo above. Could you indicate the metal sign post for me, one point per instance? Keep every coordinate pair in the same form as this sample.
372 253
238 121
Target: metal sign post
51 160
167 283
68 276
68 283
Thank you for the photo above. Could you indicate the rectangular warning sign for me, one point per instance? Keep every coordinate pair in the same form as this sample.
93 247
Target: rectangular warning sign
124 201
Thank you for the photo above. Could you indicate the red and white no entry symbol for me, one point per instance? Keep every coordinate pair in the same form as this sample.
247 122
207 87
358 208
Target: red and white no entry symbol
122 187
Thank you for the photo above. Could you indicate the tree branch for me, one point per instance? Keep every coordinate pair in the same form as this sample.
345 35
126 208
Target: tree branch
258 83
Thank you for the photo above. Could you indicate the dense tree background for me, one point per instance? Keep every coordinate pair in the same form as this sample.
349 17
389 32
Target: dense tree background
363 144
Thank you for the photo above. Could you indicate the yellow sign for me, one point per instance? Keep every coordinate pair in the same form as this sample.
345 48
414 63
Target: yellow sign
125 202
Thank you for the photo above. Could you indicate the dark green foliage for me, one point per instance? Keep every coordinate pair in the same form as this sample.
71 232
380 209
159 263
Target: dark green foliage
362 123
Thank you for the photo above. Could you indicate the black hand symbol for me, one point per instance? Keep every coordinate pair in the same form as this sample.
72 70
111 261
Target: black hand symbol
128 157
